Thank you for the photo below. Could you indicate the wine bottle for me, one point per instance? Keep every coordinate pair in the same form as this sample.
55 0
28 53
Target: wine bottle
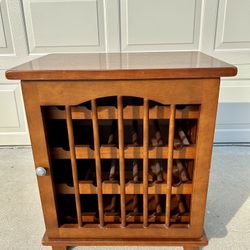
180 174
183 136
181 205
177 143
158 209
135 204
182 171
157 141
150 175
111 205
158 172
112 171
135 171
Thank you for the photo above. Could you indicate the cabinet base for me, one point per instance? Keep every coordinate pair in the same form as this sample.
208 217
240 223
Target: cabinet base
187 244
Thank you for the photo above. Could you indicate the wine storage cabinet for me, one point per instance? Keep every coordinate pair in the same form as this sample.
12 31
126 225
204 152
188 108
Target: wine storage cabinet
122 161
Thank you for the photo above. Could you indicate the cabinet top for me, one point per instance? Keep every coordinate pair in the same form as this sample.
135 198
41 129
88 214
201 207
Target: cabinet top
99 66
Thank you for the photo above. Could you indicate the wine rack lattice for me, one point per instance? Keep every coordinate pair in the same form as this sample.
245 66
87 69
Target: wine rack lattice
122 160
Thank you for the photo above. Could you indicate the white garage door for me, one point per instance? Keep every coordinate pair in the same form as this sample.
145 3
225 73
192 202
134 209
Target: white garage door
221 28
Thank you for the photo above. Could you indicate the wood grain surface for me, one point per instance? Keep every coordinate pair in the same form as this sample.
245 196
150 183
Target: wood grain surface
122 66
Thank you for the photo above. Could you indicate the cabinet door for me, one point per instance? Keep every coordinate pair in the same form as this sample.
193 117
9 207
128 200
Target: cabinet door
123 157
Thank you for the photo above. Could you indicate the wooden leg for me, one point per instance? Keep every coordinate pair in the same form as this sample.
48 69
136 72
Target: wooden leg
59 248
190 248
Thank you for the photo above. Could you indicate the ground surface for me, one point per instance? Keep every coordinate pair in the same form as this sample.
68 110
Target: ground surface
227 216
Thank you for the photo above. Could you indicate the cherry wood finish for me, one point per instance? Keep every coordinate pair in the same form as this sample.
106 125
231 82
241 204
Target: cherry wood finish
121 160
73 163
59 248
186 243
145 161
170 162
97 161
54 86
157 65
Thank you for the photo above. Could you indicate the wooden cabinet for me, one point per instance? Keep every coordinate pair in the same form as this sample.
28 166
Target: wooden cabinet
122 145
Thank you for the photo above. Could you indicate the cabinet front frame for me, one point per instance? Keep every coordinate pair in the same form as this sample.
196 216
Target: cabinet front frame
180 91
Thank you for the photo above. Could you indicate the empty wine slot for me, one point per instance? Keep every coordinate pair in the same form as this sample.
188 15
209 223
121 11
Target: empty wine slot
56 131
66 209
86 171
62 171
83 132
90 212
57 128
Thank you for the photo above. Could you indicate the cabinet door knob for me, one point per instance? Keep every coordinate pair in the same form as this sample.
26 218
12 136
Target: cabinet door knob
41 171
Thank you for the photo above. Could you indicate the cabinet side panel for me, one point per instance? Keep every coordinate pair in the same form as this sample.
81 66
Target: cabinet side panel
205 136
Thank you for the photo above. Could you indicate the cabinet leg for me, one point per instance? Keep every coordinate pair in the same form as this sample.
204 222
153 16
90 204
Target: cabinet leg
190 248
59 248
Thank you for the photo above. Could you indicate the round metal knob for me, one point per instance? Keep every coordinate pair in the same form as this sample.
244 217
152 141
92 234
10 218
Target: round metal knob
40 171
